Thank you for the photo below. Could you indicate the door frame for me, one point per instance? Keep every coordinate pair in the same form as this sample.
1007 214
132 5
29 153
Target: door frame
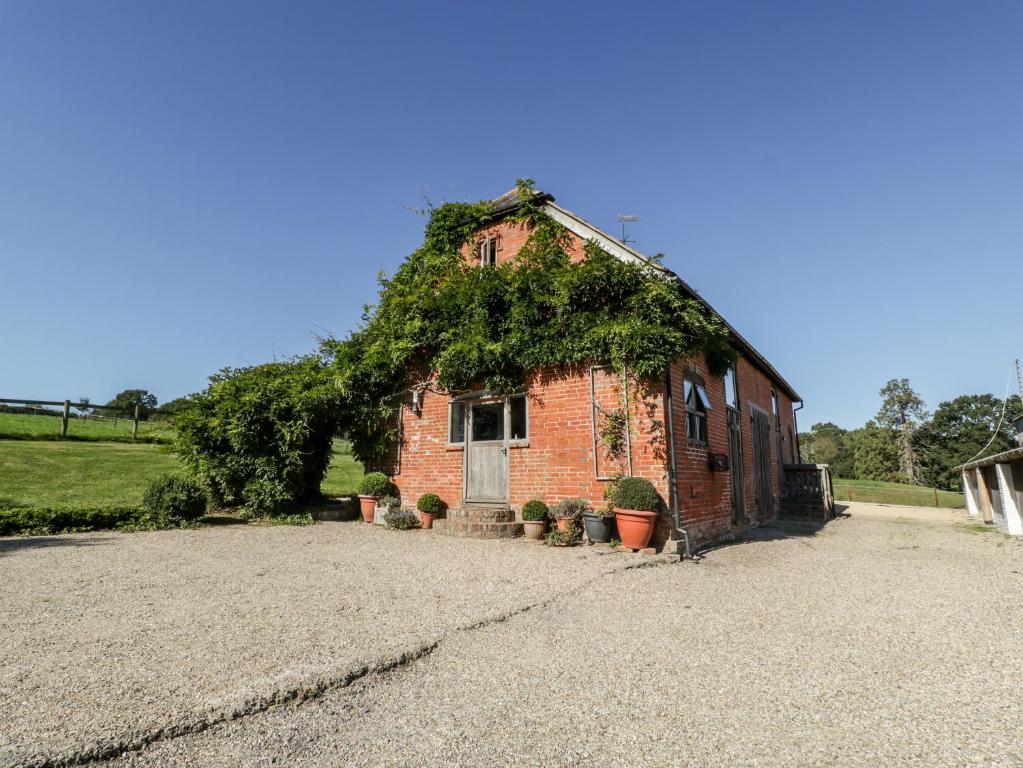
467 450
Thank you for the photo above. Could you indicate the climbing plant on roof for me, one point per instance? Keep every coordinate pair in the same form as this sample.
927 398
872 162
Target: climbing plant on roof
459 326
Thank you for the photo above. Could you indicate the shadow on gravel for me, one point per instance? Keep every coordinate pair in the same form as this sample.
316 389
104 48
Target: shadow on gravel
7 546
778 530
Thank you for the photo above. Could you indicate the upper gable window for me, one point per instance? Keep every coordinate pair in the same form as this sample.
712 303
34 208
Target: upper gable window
488 252
697 405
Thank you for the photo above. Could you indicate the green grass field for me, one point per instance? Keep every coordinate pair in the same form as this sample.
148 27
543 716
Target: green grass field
55 473
22 426
344 472
894 493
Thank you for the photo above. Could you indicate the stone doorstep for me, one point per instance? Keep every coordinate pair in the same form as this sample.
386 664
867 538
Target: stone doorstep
477 530
481 514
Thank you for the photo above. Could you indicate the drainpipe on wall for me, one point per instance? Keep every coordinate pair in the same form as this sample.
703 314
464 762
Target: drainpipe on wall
795 424
672 479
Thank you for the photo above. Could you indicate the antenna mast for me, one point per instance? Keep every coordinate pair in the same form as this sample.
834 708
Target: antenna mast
1019 381
624 218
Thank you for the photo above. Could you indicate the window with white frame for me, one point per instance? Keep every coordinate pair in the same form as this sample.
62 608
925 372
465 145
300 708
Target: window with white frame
697 406
488 252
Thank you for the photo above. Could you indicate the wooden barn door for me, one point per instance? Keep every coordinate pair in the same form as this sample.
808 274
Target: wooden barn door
762 461
737 465
486 452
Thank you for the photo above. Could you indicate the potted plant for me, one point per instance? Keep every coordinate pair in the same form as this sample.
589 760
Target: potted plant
599 523
567 538
534 519
636 502
567 513
373 487
399 519
385 505
430 507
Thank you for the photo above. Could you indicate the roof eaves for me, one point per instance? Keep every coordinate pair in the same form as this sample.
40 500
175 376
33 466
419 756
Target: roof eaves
744 346
987 461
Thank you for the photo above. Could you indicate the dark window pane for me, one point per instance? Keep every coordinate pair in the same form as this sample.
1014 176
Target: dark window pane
456 430
519 427
488 421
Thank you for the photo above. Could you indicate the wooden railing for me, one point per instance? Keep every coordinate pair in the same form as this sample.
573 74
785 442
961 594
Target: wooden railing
807 491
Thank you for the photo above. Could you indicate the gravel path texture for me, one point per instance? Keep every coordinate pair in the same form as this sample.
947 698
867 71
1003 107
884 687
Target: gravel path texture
112 640
891 636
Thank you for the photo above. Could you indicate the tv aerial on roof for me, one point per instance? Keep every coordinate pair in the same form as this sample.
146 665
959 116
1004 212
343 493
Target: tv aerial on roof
623 218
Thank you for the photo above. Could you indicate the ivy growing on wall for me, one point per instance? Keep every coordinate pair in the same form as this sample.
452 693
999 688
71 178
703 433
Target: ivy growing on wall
486 327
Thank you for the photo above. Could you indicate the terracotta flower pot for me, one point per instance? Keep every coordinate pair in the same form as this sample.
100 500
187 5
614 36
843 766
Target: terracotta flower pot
565 524
535 529
368 505
427 518
635 527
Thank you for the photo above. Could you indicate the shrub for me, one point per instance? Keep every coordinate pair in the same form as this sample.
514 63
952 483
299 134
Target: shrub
534 510
261 437
390 502
44 521
173 500
430 503
570 509
636 493
559 538
401 519
375 484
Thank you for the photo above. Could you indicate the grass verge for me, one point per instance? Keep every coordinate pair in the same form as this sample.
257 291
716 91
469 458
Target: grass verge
44 426
877 492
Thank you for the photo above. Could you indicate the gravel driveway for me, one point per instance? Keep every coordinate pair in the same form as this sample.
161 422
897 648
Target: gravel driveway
891 636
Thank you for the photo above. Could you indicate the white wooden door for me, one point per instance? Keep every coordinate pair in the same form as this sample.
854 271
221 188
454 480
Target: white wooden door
486 452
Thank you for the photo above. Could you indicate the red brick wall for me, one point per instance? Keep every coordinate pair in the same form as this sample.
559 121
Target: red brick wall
511 236
705 497
558 462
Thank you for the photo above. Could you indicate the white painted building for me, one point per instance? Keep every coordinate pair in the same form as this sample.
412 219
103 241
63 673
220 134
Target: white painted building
993 488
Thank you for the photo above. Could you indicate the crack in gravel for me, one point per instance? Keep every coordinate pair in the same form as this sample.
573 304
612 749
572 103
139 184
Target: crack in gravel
307 689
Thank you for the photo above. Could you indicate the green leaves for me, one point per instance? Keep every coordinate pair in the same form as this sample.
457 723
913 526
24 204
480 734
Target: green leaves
487 327
261 437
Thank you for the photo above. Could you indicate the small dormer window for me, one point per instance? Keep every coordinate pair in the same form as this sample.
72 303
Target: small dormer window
488 252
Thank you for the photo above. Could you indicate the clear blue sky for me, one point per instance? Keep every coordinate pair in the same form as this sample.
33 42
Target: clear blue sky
190 185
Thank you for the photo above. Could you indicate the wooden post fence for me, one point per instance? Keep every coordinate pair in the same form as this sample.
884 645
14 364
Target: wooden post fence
135 424
64 417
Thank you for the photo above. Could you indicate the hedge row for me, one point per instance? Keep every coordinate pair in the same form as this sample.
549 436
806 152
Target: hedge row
50 520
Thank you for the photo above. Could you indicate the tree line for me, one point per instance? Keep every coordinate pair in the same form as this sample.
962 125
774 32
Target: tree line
905 443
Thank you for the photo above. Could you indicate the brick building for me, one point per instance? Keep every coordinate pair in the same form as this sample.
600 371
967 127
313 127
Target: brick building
715 448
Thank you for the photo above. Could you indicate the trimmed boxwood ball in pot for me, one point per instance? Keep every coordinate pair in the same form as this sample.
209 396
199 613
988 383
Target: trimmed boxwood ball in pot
430 507
534 510
636 502
373 486
636 493
534 519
